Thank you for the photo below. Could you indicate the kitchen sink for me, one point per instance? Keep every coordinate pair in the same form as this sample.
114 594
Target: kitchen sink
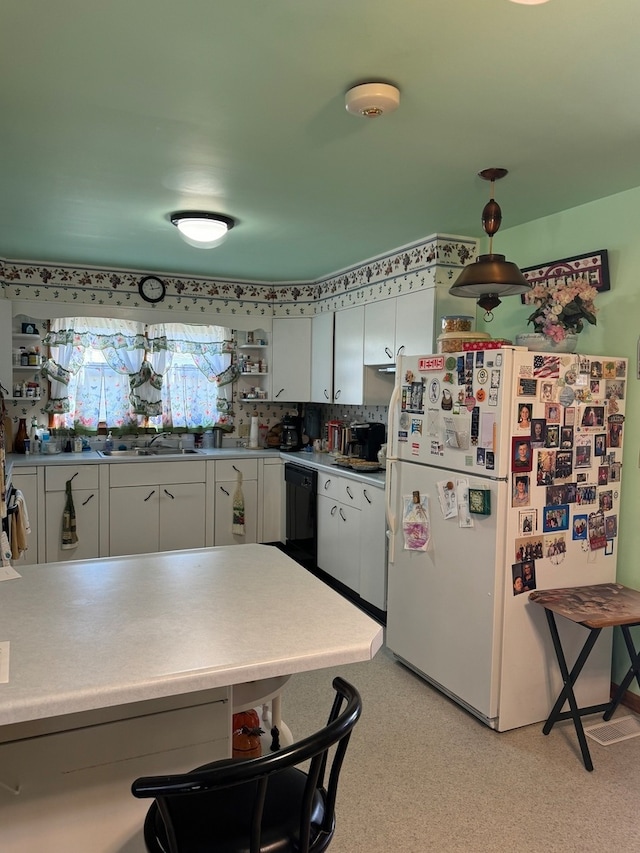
167 451
147 451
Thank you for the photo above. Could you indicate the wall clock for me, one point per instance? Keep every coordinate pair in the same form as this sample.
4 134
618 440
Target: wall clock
152 289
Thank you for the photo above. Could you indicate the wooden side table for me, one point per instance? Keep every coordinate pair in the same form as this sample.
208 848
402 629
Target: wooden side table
598 606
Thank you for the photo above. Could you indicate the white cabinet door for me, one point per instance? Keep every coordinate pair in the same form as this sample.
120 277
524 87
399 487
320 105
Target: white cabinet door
416 332
182 516
347 567
339 539
380 332
322 358
327 518
223 513
373 547
86 503
133 520
348 376
291 359
271 487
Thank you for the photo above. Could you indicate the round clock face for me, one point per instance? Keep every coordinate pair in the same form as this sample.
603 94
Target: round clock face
152 289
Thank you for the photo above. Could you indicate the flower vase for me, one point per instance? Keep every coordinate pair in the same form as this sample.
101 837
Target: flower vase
537 341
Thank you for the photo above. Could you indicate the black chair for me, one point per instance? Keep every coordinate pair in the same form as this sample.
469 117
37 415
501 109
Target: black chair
258 804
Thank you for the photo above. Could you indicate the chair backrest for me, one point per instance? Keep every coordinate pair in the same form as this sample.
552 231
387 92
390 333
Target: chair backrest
211 788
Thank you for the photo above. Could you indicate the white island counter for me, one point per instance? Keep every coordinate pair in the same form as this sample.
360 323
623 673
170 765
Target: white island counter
126 665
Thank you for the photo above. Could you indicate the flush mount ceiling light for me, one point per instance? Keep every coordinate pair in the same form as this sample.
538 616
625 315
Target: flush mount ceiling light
530 2
201 229
371 100
491 276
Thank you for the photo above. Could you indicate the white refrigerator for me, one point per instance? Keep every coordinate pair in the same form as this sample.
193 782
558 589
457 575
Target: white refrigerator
512 461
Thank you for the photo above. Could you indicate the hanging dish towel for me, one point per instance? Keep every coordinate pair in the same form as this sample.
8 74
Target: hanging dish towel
238 508
19 526
5 548
69 535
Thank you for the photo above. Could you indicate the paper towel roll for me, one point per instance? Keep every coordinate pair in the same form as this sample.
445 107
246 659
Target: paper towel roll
253 432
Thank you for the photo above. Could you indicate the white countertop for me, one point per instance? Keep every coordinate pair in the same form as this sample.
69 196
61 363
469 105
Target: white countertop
93 634
318 461
325 462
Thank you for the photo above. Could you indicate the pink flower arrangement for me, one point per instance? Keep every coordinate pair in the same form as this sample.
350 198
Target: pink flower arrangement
561 309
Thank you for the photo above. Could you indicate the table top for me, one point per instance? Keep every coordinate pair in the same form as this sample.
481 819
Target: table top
92 634
601 605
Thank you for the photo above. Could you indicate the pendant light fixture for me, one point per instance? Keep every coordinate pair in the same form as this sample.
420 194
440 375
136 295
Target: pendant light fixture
490 276
201 229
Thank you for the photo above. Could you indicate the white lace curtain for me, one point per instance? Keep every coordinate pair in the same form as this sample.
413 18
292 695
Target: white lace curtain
141 353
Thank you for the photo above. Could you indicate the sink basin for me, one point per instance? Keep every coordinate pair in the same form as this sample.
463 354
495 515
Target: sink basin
136 451
167 451
147 451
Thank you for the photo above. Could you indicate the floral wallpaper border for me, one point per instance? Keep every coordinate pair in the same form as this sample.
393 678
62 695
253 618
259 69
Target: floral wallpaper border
434 260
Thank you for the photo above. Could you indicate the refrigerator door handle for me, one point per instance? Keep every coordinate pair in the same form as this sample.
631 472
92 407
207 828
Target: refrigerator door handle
390 505
392 438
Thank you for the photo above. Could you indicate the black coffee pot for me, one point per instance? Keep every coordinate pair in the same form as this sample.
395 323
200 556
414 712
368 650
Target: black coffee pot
291 438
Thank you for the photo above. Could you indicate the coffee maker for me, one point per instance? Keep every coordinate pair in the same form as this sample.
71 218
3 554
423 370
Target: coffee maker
291 438
366 440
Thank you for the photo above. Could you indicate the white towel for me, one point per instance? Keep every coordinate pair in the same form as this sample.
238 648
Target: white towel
22 509
19 526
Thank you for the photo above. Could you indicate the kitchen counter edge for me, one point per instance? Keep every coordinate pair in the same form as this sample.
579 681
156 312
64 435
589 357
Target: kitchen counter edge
318 461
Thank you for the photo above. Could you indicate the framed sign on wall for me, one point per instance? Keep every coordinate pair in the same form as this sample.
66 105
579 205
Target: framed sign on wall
593 267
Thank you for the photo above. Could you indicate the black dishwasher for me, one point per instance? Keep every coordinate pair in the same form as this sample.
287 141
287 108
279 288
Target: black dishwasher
301 485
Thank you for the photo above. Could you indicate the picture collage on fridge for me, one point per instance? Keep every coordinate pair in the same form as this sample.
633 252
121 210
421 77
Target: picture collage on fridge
567 446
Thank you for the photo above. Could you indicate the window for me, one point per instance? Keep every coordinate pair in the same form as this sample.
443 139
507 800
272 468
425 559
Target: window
128 374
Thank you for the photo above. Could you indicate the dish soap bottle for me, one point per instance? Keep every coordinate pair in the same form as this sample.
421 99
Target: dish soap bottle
33 435
108 442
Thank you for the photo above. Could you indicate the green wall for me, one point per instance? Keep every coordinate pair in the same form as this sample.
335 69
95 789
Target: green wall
610 223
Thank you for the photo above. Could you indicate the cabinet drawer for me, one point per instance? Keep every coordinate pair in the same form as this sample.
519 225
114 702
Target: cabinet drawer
151 473
227 469
84 477
328 485
350 492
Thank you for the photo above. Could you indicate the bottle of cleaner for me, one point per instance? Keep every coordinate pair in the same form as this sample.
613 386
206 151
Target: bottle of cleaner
108 442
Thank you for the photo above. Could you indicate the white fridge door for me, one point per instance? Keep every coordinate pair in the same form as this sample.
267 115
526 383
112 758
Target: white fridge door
446 411
445 604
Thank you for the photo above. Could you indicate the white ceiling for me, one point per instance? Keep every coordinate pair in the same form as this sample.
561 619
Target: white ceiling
114 114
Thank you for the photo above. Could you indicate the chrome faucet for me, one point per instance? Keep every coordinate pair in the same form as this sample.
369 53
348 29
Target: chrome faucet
159 435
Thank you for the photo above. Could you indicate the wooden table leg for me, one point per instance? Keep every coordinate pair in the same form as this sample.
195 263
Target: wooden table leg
634 657
567 694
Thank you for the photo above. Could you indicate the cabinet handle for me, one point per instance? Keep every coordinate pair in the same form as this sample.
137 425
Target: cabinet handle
224 490
388 352
234 468
366 496
333 509
337 394
326 394
342 515
349 492
279 392
152 492
400 348
327 484
170 495
84 503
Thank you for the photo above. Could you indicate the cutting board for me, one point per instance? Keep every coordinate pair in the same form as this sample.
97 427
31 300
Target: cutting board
8 434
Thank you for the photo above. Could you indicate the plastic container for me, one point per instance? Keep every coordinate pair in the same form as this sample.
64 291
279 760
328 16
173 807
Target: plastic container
454 341
458 323
108 442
